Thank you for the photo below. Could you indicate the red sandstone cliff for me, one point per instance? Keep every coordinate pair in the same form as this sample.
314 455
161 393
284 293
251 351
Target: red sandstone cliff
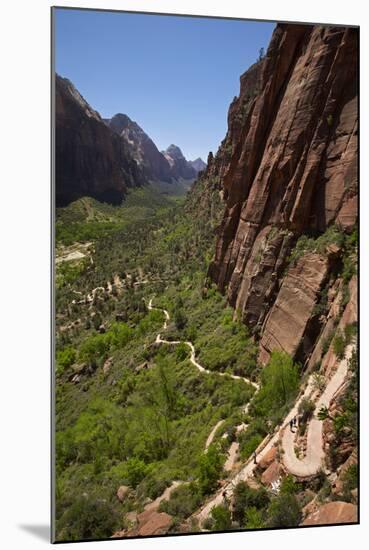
287 167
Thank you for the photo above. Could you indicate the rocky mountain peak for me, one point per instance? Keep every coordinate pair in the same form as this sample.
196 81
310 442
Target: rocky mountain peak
68 89
180 167
198 164
119 122
174 152
141 146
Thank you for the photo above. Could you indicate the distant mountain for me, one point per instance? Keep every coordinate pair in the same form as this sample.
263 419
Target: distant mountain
198 164
142 148
179 166
90 159
157 165
101 158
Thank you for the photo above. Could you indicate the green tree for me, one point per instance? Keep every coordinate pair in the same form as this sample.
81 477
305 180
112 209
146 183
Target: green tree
288 486
350 481
136 471
96 319
323 413
279 384
184 500
306 409
66 357
94 347
160 402
119 335
254 518
87 518
210 469
221 518
339 345
181 352
246 497
180 319
284 511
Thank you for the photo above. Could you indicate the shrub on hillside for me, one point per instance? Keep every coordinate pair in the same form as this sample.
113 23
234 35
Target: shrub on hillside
65 358
184 500
245 498
210 470
339 345
284 511
306 410
279 384
87 518
221 518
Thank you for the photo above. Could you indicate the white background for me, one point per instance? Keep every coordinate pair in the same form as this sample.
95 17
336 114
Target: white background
25 303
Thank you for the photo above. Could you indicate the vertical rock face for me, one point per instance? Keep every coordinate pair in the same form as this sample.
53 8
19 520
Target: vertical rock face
293 306
142 148
89 158
287 167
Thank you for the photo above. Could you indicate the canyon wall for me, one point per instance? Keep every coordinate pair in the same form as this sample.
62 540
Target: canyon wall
287 168
90 159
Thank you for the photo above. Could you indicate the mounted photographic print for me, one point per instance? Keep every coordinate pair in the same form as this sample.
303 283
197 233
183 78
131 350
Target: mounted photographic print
205 197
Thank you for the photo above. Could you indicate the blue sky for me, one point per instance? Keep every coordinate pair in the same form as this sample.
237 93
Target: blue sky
175 76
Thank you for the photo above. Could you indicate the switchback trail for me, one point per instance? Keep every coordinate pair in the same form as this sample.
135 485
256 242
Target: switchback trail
160 340
313 460
232 451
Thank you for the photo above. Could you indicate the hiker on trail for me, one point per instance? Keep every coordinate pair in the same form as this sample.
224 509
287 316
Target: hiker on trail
254 455
232 508
291 425
295 421
225 497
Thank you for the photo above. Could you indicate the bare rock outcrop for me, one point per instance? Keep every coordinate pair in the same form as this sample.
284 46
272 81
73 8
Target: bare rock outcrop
271 474
338 485
123 492
147 523
293 306
268 458
333 513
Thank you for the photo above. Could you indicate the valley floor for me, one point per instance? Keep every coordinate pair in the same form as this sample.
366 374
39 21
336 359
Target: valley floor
159 434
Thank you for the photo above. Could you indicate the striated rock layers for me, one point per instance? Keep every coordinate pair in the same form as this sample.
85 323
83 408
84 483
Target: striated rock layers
333 513
142 148
287 167
90 159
